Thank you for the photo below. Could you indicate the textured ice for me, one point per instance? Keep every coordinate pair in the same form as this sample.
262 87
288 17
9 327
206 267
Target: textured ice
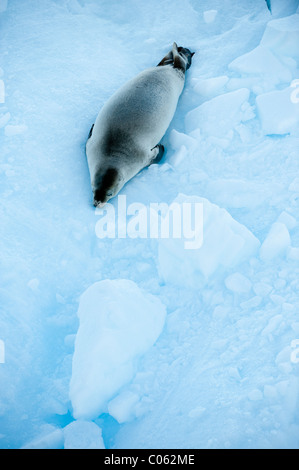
224 371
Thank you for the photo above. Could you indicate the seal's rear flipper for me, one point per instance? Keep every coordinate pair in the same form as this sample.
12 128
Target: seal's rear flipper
160 148
178 61
181 57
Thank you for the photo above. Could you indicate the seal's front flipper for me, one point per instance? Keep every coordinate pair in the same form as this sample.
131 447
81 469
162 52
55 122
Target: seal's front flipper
167 60
158 154
90 132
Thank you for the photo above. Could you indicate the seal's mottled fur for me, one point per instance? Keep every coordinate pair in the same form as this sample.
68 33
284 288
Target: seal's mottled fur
126 134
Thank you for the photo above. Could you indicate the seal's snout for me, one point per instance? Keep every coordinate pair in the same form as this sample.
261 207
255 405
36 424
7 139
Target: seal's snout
98 204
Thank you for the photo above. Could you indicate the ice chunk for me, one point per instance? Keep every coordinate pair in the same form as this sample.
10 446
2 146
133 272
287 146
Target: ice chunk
118 323
179 139
209 15
287 219
226 243
255 395
278 113
293 253
181 143
178 157
251 303
218 116
283 359
4 118
53 439
256 84
270 391
294 185
276 242
263 63
196 412
33 284
282 36
122 407
83 435
209 87
273 325
14 130
262 289
2 91
238 283
232 192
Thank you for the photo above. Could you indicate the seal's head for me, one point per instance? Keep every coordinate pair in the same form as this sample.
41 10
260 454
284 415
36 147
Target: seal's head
178 57
106 185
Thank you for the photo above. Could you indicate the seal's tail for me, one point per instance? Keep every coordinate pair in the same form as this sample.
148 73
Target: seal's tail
181 57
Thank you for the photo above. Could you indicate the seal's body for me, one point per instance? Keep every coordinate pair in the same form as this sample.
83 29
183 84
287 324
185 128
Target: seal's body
126 134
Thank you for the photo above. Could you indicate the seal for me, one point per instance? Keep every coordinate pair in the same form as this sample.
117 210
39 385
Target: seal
126 135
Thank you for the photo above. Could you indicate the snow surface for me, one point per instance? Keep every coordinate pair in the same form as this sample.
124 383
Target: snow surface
205 338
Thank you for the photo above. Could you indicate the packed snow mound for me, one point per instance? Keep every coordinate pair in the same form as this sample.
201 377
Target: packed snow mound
118 322
226 243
